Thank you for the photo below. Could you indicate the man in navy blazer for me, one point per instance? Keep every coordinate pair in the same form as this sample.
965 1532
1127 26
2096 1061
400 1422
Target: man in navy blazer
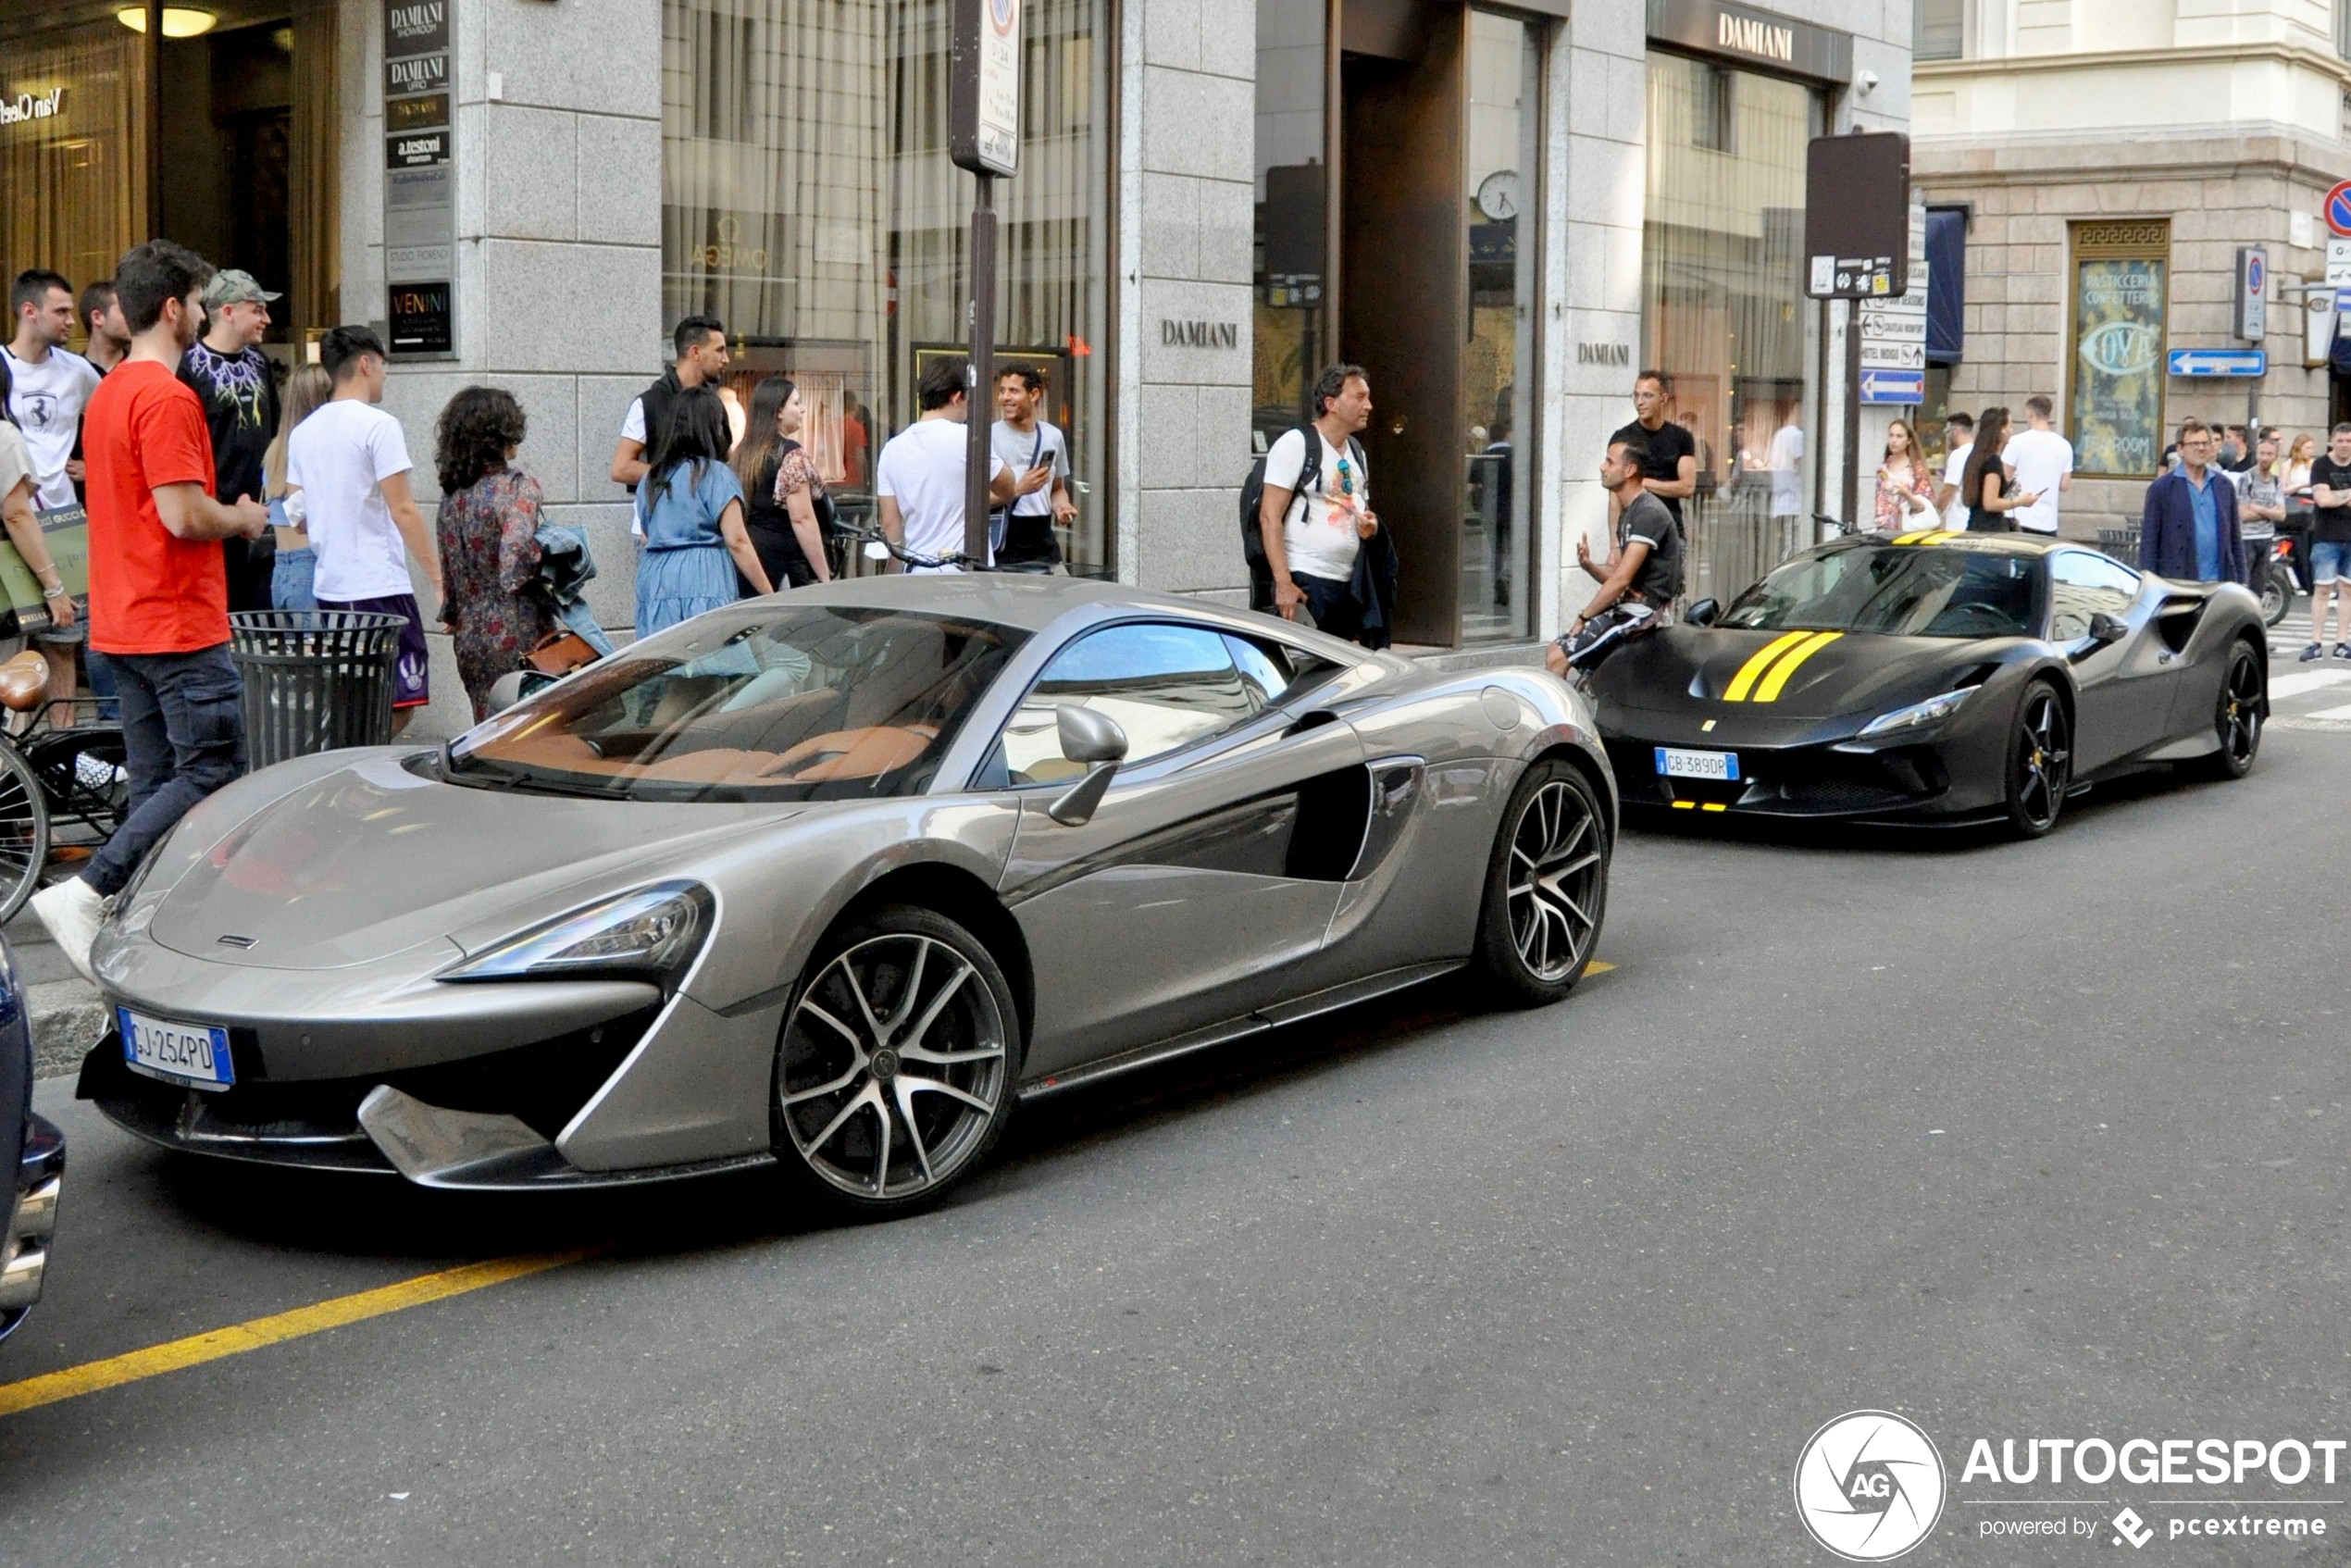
2188 530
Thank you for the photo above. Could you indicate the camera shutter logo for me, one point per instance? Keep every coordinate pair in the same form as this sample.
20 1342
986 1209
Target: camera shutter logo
1869 1485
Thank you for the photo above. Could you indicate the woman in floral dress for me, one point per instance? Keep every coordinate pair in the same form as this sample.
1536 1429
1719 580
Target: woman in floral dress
488 528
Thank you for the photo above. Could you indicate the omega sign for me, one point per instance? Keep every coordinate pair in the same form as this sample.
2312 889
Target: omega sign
31 105
1199 334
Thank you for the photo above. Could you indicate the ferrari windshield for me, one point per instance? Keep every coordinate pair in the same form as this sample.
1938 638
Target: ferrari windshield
1900 590
777 703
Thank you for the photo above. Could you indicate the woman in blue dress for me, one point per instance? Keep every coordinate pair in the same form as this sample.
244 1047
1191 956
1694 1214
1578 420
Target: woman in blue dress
691 509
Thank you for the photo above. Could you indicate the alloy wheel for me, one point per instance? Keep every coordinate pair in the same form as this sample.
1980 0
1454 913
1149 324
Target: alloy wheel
2241 709
893 1067
1554 880
2045 759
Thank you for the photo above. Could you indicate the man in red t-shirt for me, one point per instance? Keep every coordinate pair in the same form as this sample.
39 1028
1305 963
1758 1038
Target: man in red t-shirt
158 588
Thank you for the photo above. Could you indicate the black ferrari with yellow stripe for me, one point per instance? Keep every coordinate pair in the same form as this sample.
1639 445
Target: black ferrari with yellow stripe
1934 677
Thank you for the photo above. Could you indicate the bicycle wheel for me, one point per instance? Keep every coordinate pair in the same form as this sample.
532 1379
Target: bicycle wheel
24 832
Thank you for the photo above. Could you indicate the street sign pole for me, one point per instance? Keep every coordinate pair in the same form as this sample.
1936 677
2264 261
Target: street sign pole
1857 246
983 135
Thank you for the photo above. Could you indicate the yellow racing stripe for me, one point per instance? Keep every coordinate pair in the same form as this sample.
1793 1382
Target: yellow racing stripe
1775 681
1753 669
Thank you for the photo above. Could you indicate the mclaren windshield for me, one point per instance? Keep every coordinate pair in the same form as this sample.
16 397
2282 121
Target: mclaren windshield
1899 590
769 702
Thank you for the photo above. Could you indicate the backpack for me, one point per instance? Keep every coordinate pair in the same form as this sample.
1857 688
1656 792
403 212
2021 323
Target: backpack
1261 571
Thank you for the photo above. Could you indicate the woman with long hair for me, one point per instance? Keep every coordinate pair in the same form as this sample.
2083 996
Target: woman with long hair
788 506
1904 488
297 568
1988 496
691 509
488 529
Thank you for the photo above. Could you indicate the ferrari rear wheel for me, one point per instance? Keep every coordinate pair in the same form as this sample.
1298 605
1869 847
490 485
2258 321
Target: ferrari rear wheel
2040 761
896 1070
2237 719
1546 887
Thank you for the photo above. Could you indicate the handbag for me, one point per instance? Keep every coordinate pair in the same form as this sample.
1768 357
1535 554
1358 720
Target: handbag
559 652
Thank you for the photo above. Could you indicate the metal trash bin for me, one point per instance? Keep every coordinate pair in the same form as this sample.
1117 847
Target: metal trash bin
2122 543
315 679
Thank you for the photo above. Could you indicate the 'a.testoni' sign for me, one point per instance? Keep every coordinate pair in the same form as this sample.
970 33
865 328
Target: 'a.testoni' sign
23 106
1749 35
420 184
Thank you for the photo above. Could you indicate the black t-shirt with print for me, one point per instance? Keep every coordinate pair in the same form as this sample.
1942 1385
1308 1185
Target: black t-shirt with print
2330 525
1668 444
1659 574
239 397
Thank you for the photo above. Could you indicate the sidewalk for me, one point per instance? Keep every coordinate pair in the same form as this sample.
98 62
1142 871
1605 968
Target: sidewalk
66 1013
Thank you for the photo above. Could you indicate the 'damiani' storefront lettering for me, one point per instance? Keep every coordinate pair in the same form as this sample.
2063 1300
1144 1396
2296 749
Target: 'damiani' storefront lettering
1757 38
32 106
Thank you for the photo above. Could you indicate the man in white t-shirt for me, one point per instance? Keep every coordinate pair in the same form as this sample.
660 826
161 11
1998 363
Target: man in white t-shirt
1959 445
1786 468
1314 523
919 482
48 386
2042 462
350 460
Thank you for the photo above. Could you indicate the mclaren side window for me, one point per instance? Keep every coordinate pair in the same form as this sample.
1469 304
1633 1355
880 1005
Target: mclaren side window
767 701
1167 686
2082 585
1897 590
1276 670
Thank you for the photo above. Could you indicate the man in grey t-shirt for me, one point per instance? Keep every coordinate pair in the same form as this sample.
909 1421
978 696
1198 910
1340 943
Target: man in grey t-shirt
1038 452
1643 571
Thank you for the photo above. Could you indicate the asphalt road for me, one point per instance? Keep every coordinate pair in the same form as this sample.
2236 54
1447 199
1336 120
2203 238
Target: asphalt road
2016 1140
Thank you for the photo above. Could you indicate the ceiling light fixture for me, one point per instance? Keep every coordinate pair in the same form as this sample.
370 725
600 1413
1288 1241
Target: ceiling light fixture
178 22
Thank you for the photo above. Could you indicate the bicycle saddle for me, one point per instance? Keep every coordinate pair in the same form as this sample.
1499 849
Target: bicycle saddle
24 682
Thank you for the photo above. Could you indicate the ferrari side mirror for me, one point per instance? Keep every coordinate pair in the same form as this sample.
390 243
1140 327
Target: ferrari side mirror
1093 739
2104 629
1703 613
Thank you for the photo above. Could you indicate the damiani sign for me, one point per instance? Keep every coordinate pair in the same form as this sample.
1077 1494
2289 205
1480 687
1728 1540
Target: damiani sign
1760 38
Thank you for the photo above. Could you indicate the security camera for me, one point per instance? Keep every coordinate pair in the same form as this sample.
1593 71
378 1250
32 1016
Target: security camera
1868 82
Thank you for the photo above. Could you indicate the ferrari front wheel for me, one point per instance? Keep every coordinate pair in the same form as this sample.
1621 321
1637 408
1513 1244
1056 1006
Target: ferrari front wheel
2040 761
1546 887
898 1063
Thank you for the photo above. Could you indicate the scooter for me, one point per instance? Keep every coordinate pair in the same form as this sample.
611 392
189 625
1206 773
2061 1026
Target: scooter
2272 579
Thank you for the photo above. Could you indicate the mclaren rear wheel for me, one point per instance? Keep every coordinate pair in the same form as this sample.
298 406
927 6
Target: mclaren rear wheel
896 1069
2236 720
2040 761
1546 887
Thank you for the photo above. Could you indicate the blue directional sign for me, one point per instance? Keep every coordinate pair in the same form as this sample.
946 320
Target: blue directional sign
2219 361
1893 386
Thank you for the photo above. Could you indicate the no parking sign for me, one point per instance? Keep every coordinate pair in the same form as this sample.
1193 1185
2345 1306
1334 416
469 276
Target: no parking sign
2337 208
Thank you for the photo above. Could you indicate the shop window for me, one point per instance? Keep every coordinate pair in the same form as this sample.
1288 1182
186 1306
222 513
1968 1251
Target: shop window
2116 325
1290 325
1723 306
808 202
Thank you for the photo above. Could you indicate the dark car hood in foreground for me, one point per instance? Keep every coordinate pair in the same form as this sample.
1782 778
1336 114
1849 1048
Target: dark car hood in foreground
1687 669
371 859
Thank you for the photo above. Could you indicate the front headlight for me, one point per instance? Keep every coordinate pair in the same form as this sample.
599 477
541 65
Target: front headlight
649 933
1918 716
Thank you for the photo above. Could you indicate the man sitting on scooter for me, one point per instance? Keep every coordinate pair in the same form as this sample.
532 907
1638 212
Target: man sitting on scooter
1643 572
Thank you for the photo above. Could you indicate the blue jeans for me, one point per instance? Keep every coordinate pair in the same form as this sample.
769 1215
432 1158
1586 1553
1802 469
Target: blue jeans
1332 604
290 580
183 736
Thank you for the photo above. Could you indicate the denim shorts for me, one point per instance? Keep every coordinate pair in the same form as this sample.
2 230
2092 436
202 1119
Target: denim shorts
2330 563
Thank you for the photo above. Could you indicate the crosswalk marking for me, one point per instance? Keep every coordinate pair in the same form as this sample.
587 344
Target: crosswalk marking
2283 686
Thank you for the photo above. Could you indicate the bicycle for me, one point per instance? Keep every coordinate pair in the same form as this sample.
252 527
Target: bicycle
63 787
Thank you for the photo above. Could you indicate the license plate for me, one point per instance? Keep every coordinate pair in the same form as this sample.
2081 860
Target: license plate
196 1054
1720 765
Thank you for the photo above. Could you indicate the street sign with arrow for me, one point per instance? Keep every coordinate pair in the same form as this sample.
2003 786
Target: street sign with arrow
2219 362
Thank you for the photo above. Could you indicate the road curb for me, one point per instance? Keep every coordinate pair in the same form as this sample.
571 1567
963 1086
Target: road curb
67 1017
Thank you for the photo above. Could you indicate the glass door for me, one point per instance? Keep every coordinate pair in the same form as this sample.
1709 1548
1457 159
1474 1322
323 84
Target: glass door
1502 145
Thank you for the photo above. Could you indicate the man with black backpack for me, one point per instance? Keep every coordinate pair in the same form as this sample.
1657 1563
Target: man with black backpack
1313 506
1643 572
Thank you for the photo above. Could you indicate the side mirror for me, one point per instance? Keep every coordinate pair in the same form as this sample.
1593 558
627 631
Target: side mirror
1704 613
508 690
1093 739
875 550
2104 629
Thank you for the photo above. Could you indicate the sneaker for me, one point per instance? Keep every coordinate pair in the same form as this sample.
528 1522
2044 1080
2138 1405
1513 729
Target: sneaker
2315 651
2343 649
73 910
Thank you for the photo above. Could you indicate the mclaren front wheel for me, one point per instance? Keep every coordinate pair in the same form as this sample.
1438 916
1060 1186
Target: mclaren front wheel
896 1069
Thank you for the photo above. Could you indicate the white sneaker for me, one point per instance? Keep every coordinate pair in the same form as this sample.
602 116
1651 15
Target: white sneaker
73 910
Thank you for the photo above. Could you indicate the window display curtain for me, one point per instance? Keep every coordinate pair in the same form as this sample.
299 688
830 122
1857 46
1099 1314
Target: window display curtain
314 207
73 184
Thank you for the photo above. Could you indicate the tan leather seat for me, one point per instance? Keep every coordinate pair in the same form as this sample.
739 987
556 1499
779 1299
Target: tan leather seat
24 682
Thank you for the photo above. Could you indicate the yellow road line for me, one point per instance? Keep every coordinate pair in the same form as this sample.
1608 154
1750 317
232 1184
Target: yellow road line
1772 683
197 1348
1745 681
1597 968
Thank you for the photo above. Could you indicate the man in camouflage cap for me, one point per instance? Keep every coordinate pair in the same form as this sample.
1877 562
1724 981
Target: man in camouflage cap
238 387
